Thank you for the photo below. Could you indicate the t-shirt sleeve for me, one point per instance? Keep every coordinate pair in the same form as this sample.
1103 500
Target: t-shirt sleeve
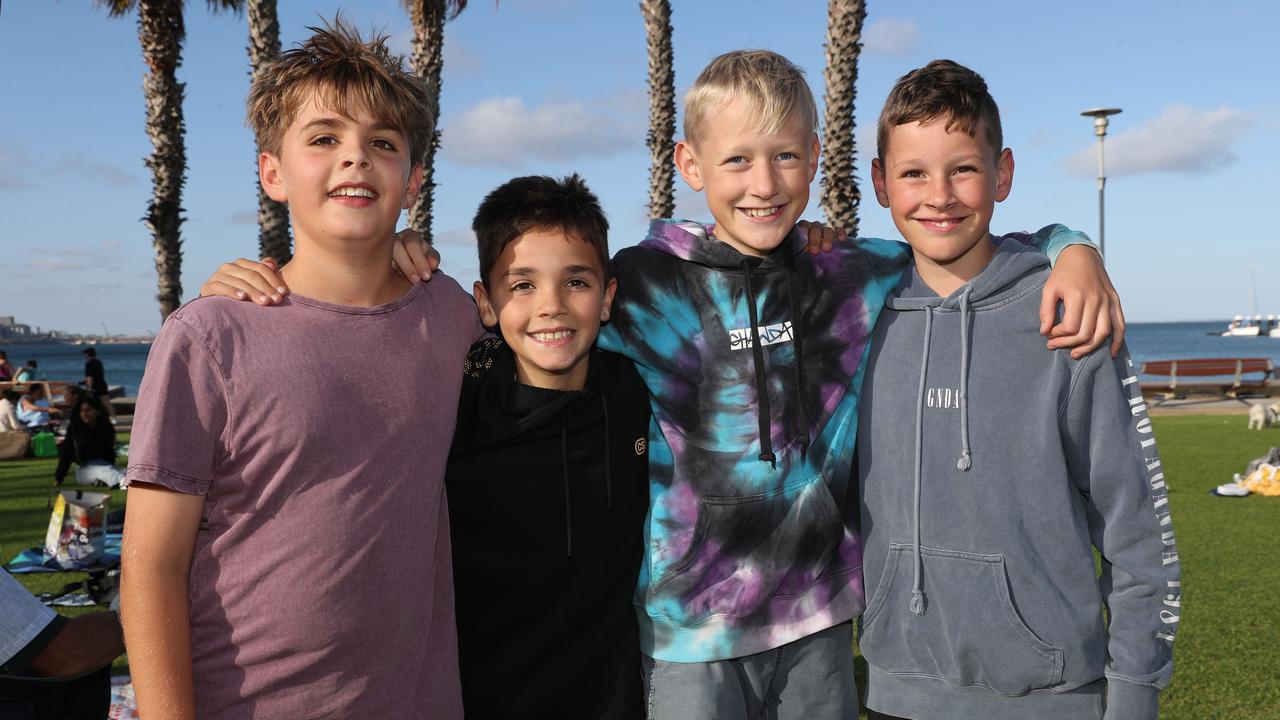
181 426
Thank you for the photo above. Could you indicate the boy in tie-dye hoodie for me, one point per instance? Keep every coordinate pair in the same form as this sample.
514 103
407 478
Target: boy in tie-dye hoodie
753 353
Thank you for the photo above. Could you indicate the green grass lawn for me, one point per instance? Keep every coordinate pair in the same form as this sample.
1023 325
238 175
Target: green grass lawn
1228 648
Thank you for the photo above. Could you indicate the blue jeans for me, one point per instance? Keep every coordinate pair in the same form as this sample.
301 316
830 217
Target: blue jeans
808 679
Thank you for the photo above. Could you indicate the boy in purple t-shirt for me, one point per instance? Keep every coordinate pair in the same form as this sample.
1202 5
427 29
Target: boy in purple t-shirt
284 555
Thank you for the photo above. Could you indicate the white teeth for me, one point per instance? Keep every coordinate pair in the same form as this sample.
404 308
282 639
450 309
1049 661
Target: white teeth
760 212
549 336
352 192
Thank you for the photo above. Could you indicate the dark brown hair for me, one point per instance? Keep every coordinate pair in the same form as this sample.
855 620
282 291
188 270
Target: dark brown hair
538 202
941 90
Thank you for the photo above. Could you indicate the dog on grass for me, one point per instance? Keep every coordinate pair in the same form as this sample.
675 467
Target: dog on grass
1263 416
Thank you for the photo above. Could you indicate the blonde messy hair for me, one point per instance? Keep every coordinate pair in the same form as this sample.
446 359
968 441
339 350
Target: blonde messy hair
772 88
338 69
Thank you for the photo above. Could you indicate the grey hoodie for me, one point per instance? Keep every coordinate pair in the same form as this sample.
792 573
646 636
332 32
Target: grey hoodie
988 468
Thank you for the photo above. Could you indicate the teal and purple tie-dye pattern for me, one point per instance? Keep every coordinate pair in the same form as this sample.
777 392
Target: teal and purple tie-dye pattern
744 555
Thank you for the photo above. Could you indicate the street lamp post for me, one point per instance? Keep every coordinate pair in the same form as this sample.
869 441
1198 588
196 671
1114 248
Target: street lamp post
1100 121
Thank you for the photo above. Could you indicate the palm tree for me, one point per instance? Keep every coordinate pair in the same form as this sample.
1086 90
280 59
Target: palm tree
264 46
840 196
427 55
662 108
161 32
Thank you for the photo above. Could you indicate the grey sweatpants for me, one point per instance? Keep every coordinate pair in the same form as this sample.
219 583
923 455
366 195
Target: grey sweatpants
809 679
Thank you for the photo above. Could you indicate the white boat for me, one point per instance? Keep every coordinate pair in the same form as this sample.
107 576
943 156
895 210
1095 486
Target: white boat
1242 326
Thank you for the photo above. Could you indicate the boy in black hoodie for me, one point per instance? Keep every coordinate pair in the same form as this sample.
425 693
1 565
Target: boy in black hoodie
547 479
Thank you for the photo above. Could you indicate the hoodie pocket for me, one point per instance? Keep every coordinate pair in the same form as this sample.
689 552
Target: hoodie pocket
970 632
748 550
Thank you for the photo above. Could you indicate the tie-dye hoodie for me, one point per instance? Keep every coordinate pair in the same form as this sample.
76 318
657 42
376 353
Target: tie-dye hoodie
753 367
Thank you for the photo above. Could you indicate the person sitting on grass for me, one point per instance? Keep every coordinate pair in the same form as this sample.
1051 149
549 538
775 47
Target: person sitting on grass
90 444
35 411
286 550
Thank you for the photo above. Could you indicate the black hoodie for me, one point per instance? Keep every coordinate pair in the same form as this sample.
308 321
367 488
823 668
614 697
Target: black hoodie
548 492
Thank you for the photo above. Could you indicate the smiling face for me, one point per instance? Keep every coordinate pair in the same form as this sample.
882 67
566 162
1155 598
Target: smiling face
756 185
941 188
547 294
346 176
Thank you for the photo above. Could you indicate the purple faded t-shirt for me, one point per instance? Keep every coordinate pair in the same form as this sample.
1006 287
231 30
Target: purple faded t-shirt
321 582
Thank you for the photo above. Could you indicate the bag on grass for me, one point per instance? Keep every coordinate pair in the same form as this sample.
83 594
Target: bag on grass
77 529
44 444
14 444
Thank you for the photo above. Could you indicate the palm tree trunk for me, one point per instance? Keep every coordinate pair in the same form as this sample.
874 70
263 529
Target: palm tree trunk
662 108
428 59
840 195
161 32
264 46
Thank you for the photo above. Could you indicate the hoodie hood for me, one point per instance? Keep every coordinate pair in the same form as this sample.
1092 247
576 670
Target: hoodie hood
497 412
1005 276
695 242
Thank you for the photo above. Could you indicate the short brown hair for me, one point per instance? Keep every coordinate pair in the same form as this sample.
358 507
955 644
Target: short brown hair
772 87
943 89
337 67
537 202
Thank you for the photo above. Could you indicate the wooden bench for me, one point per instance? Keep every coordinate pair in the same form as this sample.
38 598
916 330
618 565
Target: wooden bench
1233 372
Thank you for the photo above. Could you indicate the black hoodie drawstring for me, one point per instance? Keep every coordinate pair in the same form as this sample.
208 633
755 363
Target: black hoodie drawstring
608 463
762 389
797 333
564 466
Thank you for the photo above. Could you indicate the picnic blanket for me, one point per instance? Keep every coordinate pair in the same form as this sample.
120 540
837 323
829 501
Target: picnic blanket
123 706
32 559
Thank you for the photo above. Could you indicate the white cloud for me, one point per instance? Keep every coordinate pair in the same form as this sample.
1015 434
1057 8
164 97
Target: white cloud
242 217
102 256
504 132
890 37
1182 139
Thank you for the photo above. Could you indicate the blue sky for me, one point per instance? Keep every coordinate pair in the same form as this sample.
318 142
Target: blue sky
556 86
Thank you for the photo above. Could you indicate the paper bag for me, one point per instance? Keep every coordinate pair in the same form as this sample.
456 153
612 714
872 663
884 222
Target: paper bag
77 529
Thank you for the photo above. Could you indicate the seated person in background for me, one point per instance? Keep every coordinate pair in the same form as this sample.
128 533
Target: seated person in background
9 412
91 445
34 409
27 373
52 666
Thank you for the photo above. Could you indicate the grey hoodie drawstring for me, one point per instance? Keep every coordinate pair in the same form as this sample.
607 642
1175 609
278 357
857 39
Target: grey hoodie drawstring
762 388
966 459
917 589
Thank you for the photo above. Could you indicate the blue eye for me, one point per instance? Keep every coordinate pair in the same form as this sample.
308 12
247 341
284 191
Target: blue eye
787 156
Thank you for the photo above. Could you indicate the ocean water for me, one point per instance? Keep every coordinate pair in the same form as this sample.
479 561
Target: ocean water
1147 341
123 363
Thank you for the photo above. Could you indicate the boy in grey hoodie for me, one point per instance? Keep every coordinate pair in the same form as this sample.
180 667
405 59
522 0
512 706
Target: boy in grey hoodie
985 490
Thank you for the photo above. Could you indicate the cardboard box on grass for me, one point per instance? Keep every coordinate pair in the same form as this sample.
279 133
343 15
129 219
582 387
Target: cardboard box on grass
77 529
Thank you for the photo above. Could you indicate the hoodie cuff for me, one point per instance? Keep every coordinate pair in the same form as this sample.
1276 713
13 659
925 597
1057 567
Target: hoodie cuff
1129 701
